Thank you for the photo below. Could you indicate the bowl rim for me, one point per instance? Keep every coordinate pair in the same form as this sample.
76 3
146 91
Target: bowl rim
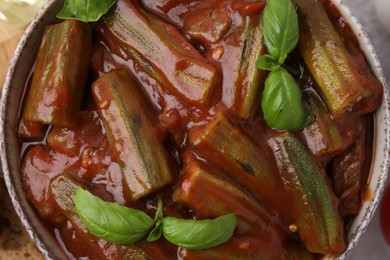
52 250
49 249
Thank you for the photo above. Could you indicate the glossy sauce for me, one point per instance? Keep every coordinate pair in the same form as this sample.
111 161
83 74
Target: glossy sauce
83 149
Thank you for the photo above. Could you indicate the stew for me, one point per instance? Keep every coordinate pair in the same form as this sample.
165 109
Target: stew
159 107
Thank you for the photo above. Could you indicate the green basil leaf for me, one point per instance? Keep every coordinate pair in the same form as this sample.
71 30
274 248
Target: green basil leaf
110 221
156 232
282 102
267 62
199 234
281 32
85 10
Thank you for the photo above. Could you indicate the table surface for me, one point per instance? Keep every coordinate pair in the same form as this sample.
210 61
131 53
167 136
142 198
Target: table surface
14 243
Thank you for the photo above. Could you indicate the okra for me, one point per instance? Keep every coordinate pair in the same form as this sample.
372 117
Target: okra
243 82
314 208
86 132
132 133
213 196
63 189
323 136
60 73
31 131
344 79
159 50
239 248
228 148
349 170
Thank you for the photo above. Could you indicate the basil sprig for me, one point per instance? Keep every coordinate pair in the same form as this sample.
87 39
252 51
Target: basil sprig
122 225
85 10
281 101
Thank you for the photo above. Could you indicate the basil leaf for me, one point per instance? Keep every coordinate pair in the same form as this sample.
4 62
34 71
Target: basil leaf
156 232
281 102
85 10
267 62
199 234
110 221
281 32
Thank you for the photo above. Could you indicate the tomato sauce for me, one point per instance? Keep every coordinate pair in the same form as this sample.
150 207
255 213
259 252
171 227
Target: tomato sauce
83 150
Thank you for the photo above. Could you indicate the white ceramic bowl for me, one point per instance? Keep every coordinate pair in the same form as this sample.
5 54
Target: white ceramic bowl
10 151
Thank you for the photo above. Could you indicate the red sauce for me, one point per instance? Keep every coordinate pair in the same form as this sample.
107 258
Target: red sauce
83 150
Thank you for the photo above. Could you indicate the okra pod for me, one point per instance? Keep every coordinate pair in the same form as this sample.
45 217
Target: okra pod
212 196
349 170
31 131
228 148
63 189
324 137
248 247
159 50
86 132
243 82
344 79
60 73
133 136
314 210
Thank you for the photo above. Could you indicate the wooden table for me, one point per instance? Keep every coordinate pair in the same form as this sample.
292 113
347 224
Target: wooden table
14 242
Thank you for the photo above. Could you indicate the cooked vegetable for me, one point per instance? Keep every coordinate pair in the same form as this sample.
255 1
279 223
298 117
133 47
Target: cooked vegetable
212 195
281 101
189 104
315 213
344 80
159 50
324 137
132 133
249 81
199 234
64 190
350 168
60 72
85 10
225 146
31 131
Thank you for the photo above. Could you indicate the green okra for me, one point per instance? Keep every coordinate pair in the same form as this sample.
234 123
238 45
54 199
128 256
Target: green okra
159 50
323 135
314 209
133 136
344 79
60 73
211 196
30 130
249 80
349 170
228 148
63 189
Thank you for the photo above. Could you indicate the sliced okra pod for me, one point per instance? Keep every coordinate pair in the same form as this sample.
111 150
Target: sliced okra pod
314 208
60 73
227 147
344 79
159 50
63 189
324 137
133 136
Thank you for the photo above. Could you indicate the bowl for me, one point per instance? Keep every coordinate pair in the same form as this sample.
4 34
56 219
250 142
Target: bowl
10 153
